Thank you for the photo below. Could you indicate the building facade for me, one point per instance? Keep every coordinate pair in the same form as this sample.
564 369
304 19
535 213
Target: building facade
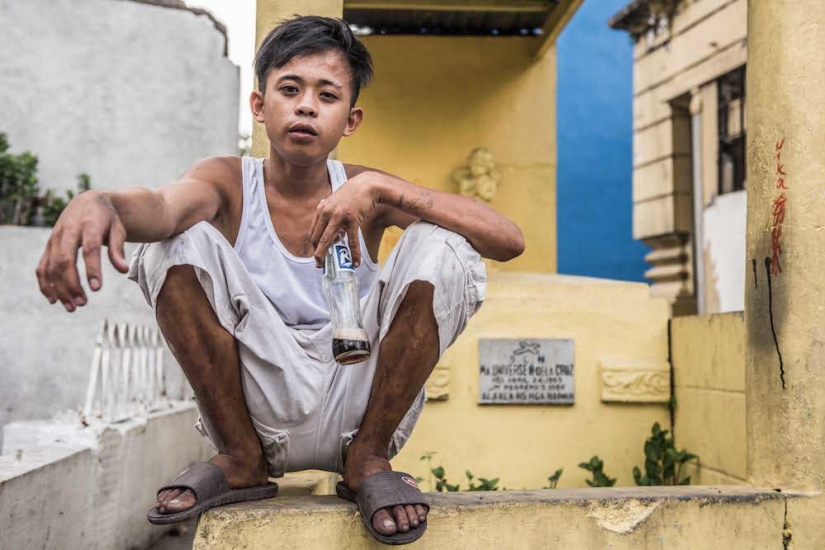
689 178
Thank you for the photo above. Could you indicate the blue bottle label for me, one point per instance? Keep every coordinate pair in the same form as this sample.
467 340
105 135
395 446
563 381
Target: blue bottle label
343 257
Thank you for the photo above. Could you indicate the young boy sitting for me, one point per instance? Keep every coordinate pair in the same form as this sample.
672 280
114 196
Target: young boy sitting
233 274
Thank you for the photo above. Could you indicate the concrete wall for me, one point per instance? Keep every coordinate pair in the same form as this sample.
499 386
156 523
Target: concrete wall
724 225
45 352
611 323
708 354
735 518
435 99
595 138
129 93
65 486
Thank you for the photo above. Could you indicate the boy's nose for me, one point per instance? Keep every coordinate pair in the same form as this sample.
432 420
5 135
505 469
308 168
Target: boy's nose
306 107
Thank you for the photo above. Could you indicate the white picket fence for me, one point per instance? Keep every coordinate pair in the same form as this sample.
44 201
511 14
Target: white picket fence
127 375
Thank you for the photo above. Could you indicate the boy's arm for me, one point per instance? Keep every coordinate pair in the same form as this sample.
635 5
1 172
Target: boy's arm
97 218
389 200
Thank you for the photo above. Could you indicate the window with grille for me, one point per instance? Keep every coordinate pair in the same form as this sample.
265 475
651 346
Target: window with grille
731 89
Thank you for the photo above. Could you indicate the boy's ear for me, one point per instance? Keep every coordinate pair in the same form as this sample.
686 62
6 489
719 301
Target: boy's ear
256 104
356 115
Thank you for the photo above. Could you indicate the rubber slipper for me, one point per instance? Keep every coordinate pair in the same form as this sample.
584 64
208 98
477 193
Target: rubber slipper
211 489
386 490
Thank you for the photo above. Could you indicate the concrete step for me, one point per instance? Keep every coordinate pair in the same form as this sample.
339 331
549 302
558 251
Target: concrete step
652 517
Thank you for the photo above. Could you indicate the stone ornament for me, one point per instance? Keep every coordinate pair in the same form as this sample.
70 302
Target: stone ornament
629 381
479 179
438 384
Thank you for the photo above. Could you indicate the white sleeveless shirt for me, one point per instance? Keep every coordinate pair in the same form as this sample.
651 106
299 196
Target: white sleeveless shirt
292 284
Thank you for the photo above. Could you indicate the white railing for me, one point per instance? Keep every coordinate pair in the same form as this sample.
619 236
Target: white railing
127 376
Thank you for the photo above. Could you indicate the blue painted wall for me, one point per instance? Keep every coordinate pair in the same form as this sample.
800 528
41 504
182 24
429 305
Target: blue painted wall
595 136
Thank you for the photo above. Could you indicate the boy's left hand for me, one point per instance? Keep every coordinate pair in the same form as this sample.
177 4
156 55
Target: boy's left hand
344 211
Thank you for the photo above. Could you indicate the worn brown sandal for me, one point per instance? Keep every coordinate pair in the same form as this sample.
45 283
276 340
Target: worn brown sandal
385 490
211 489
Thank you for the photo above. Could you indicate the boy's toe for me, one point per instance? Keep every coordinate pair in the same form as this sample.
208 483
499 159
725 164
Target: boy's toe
383 523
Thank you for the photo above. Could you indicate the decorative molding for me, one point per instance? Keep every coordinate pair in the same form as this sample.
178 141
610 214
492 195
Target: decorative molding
479 179
671 272
438 384
634 381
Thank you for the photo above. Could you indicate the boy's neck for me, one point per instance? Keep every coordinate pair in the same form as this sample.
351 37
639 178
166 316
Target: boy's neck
295 181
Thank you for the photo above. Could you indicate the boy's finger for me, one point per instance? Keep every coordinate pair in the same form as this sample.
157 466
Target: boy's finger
317 217
45 287
117 236
326 240
66 265
354 245
319 226
91 257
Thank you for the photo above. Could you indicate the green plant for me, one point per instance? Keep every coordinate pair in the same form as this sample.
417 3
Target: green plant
596 468
663 463
18 184
439 482
554 479
484 485
53 205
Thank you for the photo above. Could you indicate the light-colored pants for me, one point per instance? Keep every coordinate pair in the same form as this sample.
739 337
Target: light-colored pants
305 407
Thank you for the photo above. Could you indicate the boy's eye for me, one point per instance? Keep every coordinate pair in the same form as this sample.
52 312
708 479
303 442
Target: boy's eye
289 89
328 95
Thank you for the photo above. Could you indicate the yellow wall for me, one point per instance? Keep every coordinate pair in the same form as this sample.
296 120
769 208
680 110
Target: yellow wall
709 374
434 99
523 445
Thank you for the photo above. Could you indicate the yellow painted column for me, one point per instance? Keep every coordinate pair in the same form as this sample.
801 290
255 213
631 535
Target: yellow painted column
269 14
785 290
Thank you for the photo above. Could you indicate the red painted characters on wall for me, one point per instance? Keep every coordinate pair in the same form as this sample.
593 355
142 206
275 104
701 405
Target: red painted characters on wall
778 210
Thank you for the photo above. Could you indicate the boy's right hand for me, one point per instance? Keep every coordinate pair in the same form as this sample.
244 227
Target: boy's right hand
88 222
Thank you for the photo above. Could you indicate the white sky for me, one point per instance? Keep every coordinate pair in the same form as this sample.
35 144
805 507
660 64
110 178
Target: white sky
239 18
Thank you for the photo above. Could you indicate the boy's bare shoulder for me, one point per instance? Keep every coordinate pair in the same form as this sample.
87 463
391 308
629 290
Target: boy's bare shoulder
353 170
217 170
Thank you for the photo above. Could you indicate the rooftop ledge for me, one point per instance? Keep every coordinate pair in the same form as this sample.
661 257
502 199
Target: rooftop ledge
684 517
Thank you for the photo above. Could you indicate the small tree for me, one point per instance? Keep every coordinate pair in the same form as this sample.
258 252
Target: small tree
18 184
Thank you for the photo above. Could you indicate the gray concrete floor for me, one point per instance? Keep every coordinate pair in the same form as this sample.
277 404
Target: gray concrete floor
178 539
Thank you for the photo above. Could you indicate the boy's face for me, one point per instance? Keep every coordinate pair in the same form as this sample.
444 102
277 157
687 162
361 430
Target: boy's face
306 107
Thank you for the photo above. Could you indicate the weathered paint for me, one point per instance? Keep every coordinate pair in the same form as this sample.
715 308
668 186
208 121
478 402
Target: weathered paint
784 314
708 357
524 445
652 517
436 98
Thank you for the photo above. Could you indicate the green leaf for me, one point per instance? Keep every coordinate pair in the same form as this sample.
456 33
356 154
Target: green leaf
438 472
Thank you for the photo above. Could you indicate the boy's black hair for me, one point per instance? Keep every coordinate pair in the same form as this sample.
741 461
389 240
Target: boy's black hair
310 34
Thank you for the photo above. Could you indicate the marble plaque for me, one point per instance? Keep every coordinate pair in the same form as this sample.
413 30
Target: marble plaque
525 371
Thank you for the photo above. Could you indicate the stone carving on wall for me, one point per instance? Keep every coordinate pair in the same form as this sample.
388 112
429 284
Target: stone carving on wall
634 381
479 179
438 384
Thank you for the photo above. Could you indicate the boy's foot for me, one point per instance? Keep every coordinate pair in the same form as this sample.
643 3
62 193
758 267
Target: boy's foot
239 473
388 521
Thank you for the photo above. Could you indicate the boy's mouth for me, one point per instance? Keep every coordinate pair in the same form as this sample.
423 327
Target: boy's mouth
301 129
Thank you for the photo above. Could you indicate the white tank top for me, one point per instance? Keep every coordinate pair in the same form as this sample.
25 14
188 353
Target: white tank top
291 283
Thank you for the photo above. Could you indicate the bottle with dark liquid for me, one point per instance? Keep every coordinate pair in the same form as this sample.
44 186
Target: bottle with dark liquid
350 344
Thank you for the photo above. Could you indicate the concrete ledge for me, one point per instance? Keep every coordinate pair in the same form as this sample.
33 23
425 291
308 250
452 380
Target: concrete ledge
63 485
672 517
